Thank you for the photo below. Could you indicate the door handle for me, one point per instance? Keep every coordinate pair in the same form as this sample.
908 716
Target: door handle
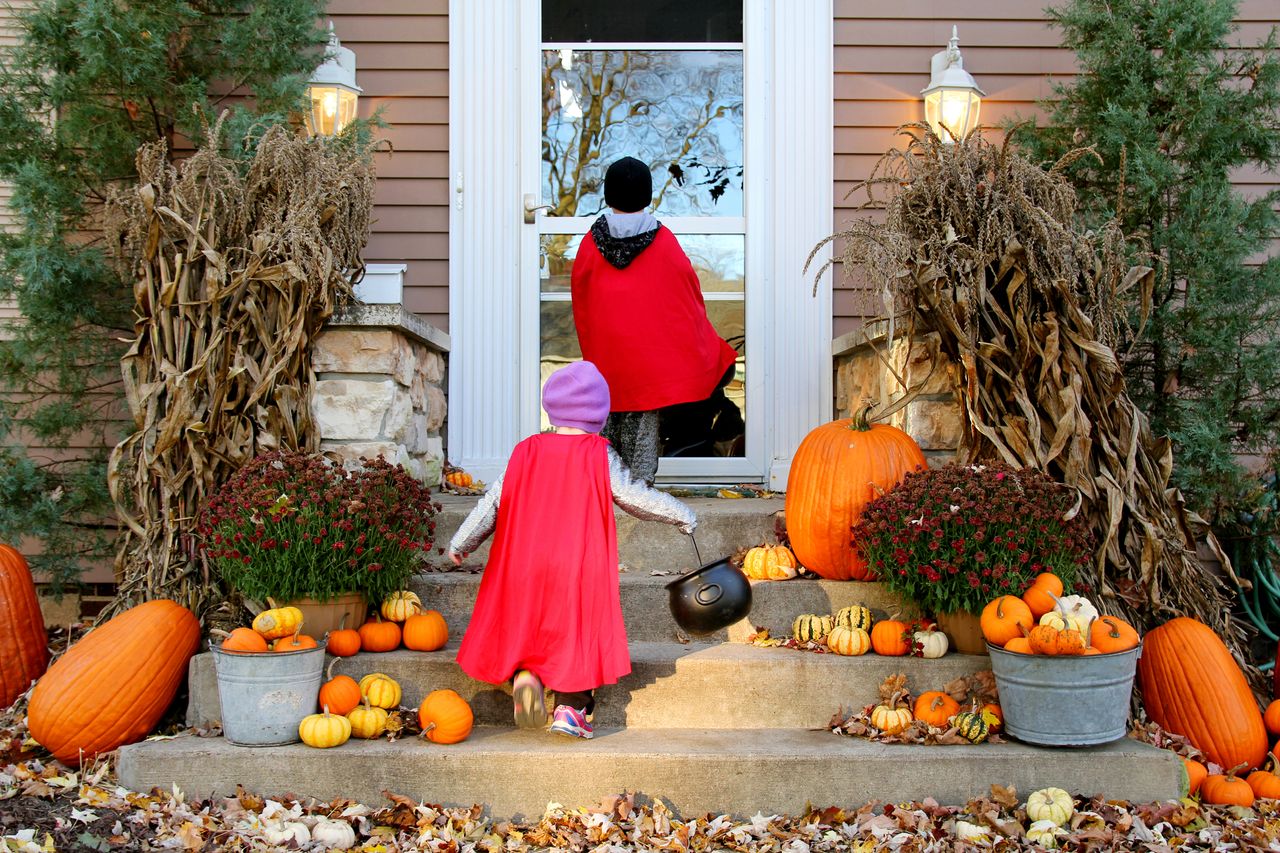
531 208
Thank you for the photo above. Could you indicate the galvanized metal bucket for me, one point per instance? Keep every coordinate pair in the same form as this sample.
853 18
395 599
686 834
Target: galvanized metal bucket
265 696
1065 701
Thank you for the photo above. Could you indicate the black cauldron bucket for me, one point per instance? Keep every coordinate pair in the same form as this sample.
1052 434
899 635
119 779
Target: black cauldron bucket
710 598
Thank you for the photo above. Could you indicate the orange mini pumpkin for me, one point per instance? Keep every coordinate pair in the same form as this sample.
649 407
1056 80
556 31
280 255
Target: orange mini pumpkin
445 717
1271 717
379 636
1042 596
1226 790
1110 634
1265 784
426 632
296 643
889 637
936 708
1005 618
340 693
1196 773
1019 645
344 642
839 468
244 640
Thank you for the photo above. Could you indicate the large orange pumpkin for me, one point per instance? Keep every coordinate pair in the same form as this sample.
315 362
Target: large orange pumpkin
838 469
24 646
1192 686
113 686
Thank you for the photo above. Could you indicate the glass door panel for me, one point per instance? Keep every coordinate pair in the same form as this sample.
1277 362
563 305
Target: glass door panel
666 88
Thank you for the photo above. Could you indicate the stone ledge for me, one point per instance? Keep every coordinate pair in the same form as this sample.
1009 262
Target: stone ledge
390 317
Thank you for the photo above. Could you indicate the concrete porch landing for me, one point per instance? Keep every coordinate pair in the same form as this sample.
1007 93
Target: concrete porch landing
695 771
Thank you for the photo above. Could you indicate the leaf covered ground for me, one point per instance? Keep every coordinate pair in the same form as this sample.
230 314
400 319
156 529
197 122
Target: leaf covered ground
46 806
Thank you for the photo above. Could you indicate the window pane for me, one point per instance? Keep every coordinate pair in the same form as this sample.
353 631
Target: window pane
679 111
653 20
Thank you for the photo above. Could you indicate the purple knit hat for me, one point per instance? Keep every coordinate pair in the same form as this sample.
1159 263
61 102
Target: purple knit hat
577 396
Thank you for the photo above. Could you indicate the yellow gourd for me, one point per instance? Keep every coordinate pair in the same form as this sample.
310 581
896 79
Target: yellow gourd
324 731
367 721
381 690
278 622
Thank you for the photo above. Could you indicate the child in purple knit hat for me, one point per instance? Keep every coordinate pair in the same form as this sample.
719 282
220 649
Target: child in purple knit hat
549 614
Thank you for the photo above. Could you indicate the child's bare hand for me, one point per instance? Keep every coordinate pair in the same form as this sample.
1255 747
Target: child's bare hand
456 557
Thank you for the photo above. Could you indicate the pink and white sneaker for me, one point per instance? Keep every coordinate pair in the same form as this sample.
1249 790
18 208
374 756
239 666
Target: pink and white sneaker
570 722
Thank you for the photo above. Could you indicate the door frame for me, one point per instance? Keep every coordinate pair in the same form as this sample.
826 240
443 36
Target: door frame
494 99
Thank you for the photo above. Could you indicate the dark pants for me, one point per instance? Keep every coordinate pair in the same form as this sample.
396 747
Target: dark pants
583 700
634 435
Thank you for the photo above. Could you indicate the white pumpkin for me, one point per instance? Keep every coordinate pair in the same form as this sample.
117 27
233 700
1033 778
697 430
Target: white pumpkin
1045 833
966 831
1052 804
1079 607
1062 621
933 644
283 833
333 833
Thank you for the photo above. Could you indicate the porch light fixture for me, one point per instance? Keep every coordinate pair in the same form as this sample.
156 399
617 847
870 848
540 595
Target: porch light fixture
952 99
332 90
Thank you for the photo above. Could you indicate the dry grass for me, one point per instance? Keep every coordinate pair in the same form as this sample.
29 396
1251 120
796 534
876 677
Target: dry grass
979 245
235 267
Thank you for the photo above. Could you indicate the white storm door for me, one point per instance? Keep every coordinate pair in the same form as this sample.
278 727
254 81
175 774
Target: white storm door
729 102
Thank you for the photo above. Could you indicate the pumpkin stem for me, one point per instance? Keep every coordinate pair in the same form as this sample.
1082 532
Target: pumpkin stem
271 603
218 632
1232 772
861 421
326 710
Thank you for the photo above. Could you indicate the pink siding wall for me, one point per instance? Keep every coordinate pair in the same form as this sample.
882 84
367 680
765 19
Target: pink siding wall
882 51
402 58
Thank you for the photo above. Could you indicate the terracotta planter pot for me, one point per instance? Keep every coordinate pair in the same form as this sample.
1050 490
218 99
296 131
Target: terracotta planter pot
321 617
965 632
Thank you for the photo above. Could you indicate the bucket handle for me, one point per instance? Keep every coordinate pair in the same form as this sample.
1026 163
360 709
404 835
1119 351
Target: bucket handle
696 555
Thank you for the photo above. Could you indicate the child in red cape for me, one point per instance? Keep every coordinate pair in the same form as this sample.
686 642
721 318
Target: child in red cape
548 610
638 310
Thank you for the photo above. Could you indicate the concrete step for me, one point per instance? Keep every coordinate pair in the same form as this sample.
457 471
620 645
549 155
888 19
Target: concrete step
516 773
725 686
774 604
724 526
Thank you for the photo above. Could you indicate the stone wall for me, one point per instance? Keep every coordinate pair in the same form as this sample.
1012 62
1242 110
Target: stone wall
380 388
933 418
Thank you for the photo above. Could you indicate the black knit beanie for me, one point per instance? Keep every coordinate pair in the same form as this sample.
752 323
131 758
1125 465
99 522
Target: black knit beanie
628 186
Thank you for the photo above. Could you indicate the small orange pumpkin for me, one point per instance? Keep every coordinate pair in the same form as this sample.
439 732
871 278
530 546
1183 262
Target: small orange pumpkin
1041 597
344 642
379 636
1019 645
1227 790
244 640
1196 773
1109 634
340 693
296 643
1265 784
1043 640
769 563
426 632
445 717
994 715
936 708
1005 618
889 637
1271 717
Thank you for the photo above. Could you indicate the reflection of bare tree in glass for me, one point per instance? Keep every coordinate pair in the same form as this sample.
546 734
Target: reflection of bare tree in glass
679 111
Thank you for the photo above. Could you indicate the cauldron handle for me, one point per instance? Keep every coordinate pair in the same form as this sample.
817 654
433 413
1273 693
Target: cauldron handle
696 555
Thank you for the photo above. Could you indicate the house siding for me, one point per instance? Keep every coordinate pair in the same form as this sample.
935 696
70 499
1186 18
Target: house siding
8 38
402 59
882 51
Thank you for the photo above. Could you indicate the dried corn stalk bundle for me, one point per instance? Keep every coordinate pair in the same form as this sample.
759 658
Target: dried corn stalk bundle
978 244
236 266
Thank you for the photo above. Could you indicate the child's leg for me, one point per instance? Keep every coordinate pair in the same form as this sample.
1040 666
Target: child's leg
583 700
527 696
634 435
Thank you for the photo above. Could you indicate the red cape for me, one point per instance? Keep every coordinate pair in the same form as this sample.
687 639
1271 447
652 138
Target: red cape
549 600
645 326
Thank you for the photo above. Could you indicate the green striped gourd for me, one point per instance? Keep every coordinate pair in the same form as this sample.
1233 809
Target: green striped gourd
971 726
854 616
811 628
